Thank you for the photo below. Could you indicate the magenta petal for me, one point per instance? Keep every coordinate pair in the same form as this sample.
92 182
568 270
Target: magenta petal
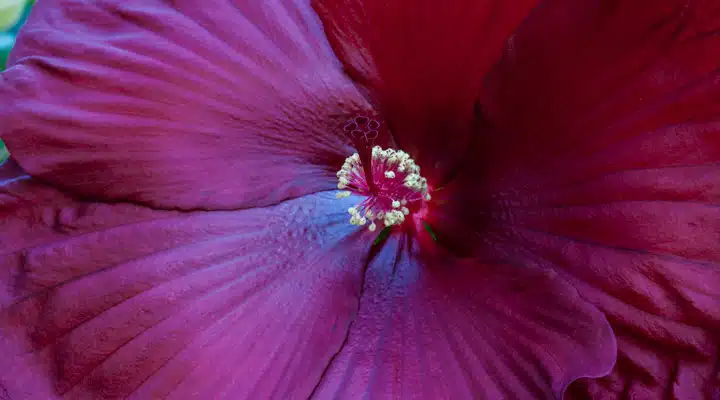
644 371
642 246
107 301
654 269
467 330
178 104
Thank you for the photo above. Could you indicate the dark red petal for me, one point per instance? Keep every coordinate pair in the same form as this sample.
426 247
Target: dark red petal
467 330
424 62
178 104
601 159
107 301
590 88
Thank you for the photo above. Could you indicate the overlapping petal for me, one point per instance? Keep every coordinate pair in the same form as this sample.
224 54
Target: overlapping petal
424 62
451 329
119 301
223 105
600 159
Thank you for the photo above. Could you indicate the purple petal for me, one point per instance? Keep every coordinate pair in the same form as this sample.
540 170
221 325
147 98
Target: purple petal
178 104
107 301
459 330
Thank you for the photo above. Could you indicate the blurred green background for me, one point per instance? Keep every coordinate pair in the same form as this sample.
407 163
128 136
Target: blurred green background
13 14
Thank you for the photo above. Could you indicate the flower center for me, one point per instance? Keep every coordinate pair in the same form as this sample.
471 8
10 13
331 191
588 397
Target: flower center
392 185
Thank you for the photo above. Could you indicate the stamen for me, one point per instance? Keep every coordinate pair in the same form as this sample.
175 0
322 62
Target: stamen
398 189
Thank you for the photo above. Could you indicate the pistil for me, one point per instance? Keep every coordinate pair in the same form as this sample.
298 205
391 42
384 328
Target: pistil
391 183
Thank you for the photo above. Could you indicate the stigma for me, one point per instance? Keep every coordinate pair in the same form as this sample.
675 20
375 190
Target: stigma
393 190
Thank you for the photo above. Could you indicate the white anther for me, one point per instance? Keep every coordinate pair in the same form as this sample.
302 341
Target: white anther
341 195
405 210
395 204
428 197
394 217
372 227
362 221
389 174
369 214
378 152
352 211
403 201
341 186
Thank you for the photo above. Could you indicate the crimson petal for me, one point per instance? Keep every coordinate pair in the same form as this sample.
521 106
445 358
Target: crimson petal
466 330
605 87
113 301
424 62
178 104
608 174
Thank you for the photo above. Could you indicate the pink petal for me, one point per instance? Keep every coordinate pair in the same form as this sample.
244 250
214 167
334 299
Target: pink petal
467 330
424 62
113 301
178 104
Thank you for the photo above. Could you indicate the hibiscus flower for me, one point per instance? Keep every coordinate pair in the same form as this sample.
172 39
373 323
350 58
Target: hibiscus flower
361 198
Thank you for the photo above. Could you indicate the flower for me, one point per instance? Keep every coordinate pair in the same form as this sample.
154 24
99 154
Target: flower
173 230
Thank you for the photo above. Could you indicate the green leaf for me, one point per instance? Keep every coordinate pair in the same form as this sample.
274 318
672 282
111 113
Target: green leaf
10 13
382 236
7 41
430 231
4 153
